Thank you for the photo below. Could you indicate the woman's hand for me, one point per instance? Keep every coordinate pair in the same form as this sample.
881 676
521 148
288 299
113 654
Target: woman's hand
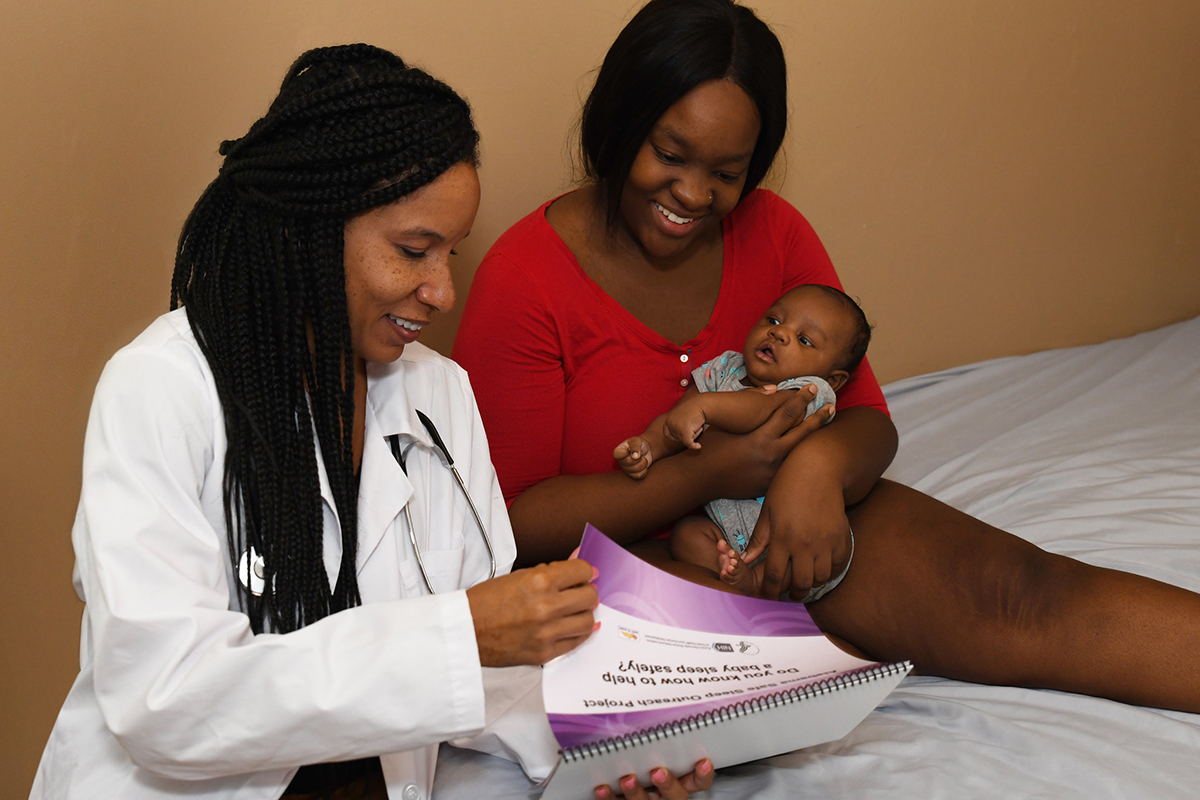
666 785
533 615
804 512
803 519
745 465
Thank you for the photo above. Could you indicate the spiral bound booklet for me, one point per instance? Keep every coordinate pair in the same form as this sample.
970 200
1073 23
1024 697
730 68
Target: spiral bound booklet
679 672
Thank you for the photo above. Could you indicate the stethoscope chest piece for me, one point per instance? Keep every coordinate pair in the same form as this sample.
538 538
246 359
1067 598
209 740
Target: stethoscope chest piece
252 571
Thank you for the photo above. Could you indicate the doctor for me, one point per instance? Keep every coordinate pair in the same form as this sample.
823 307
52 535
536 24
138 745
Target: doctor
285 574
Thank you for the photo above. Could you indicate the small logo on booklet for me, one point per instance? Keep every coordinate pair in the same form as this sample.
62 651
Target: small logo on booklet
628 633
722 647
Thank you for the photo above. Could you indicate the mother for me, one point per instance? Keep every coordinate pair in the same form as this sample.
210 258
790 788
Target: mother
584 322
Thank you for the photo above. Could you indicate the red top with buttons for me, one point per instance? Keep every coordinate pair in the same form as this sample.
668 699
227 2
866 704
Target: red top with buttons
562 373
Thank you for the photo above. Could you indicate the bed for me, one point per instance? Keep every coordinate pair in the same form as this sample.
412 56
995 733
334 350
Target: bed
1093 452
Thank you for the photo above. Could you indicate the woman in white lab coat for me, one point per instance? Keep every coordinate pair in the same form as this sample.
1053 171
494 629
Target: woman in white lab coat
258 467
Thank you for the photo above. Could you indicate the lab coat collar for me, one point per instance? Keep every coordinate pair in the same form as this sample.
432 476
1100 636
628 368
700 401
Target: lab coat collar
388 400
385 488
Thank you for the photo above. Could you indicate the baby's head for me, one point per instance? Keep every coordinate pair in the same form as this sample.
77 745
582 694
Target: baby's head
811 330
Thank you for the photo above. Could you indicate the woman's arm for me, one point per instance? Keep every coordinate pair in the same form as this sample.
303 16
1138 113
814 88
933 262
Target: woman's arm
180 680
548 518
804 513
856 449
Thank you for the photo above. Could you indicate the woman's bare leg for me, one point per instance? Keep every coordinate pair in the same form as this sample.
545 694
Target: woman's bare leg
962 599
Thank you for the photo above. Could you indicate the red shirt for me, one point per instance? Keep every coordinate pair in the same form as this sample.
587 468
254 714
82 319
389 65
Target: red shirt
562 373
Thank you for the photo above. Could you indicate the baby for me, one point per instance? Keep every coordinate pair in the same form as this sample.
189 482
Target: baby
813 334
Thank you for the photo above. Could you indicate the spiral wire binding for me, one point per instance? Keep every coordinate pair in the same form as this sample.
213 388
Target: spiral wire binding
726 713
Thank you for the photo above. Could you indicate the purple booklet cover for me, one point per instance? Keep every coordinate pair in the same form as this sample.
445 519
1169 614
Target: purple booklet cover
708 621
628 584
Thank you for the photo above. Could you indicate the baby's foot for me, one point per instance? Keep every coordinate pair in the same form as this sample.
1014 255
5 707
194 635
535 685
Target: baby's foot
633 455
735 571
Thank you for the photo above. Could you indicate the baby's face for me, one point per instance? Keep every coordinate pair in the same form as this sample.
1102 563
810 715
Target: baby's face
805 332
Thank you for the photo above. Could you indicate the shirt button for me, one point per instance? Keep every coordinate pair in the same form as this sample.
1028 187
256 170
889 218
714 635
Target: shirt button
411 792
683 357
683 382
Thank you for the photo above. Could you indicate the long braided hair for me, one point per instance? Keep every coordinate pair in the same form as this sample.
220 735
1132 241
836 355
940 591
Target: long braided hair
260 272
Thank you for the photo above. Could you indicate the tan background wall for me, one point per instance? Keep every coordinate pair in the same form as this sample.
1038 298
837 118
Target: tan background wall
991 178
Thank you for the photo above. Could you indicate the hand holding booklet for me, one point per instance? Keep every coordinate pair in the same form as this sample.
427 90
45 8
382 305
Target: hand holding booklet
678 672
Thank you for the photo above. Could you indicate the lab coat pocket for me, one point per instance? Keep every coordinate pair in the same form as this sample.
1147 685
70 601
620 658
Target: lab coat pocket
443 567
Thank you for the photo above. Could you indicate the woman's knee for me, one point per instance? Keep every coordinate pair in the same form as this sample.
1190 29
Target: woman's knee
992 574
946 581
1009 586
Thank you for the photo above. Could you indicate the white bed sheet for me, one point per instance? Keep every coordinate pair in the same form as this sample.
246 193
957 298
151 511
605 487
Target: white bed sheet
1093 452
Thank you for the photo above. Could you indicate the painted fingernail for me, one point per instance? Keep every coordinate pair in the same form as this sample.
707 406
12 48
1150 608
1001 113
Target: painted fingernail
574 554
596 627
628 783
705 767
658 775
602 793
595 573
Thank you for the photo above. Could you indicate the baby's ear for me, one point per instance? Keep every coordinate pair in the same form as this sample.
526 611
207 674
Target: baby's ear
837 379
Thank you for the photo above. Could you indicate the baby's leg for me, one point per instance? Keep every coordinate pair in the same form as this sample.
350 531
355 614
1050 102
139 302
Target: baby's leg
700 541
694 540
746 578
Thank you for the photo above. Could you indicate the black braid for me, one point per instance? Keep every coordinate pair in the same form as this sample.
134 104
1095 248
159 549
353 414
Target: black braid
260 269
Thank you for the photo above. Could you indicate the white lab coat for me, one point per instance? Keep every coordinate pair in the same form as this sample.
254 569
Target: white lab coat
176 696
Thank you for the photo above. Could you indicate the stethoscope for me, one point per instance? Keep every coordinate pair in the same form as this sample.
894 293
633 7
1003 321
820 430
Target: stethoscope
251 570
448 460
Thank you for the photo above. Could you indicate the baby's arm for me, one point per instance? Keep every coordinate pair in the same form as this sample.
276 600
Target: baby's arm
669 433
733 412
637 453
672 432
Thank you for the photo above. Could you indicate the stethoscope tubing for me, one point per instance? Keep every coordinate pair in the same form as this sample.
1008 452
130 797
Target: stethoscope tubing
394 441
412 534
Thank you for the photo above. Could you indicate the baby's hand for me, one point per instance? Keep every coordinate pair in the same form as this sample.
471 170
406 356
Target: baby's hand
684 423
634 456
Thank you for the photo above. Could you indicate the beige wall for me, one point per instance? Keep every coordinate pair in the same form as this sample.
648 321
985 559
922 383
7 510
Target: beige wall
990 178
